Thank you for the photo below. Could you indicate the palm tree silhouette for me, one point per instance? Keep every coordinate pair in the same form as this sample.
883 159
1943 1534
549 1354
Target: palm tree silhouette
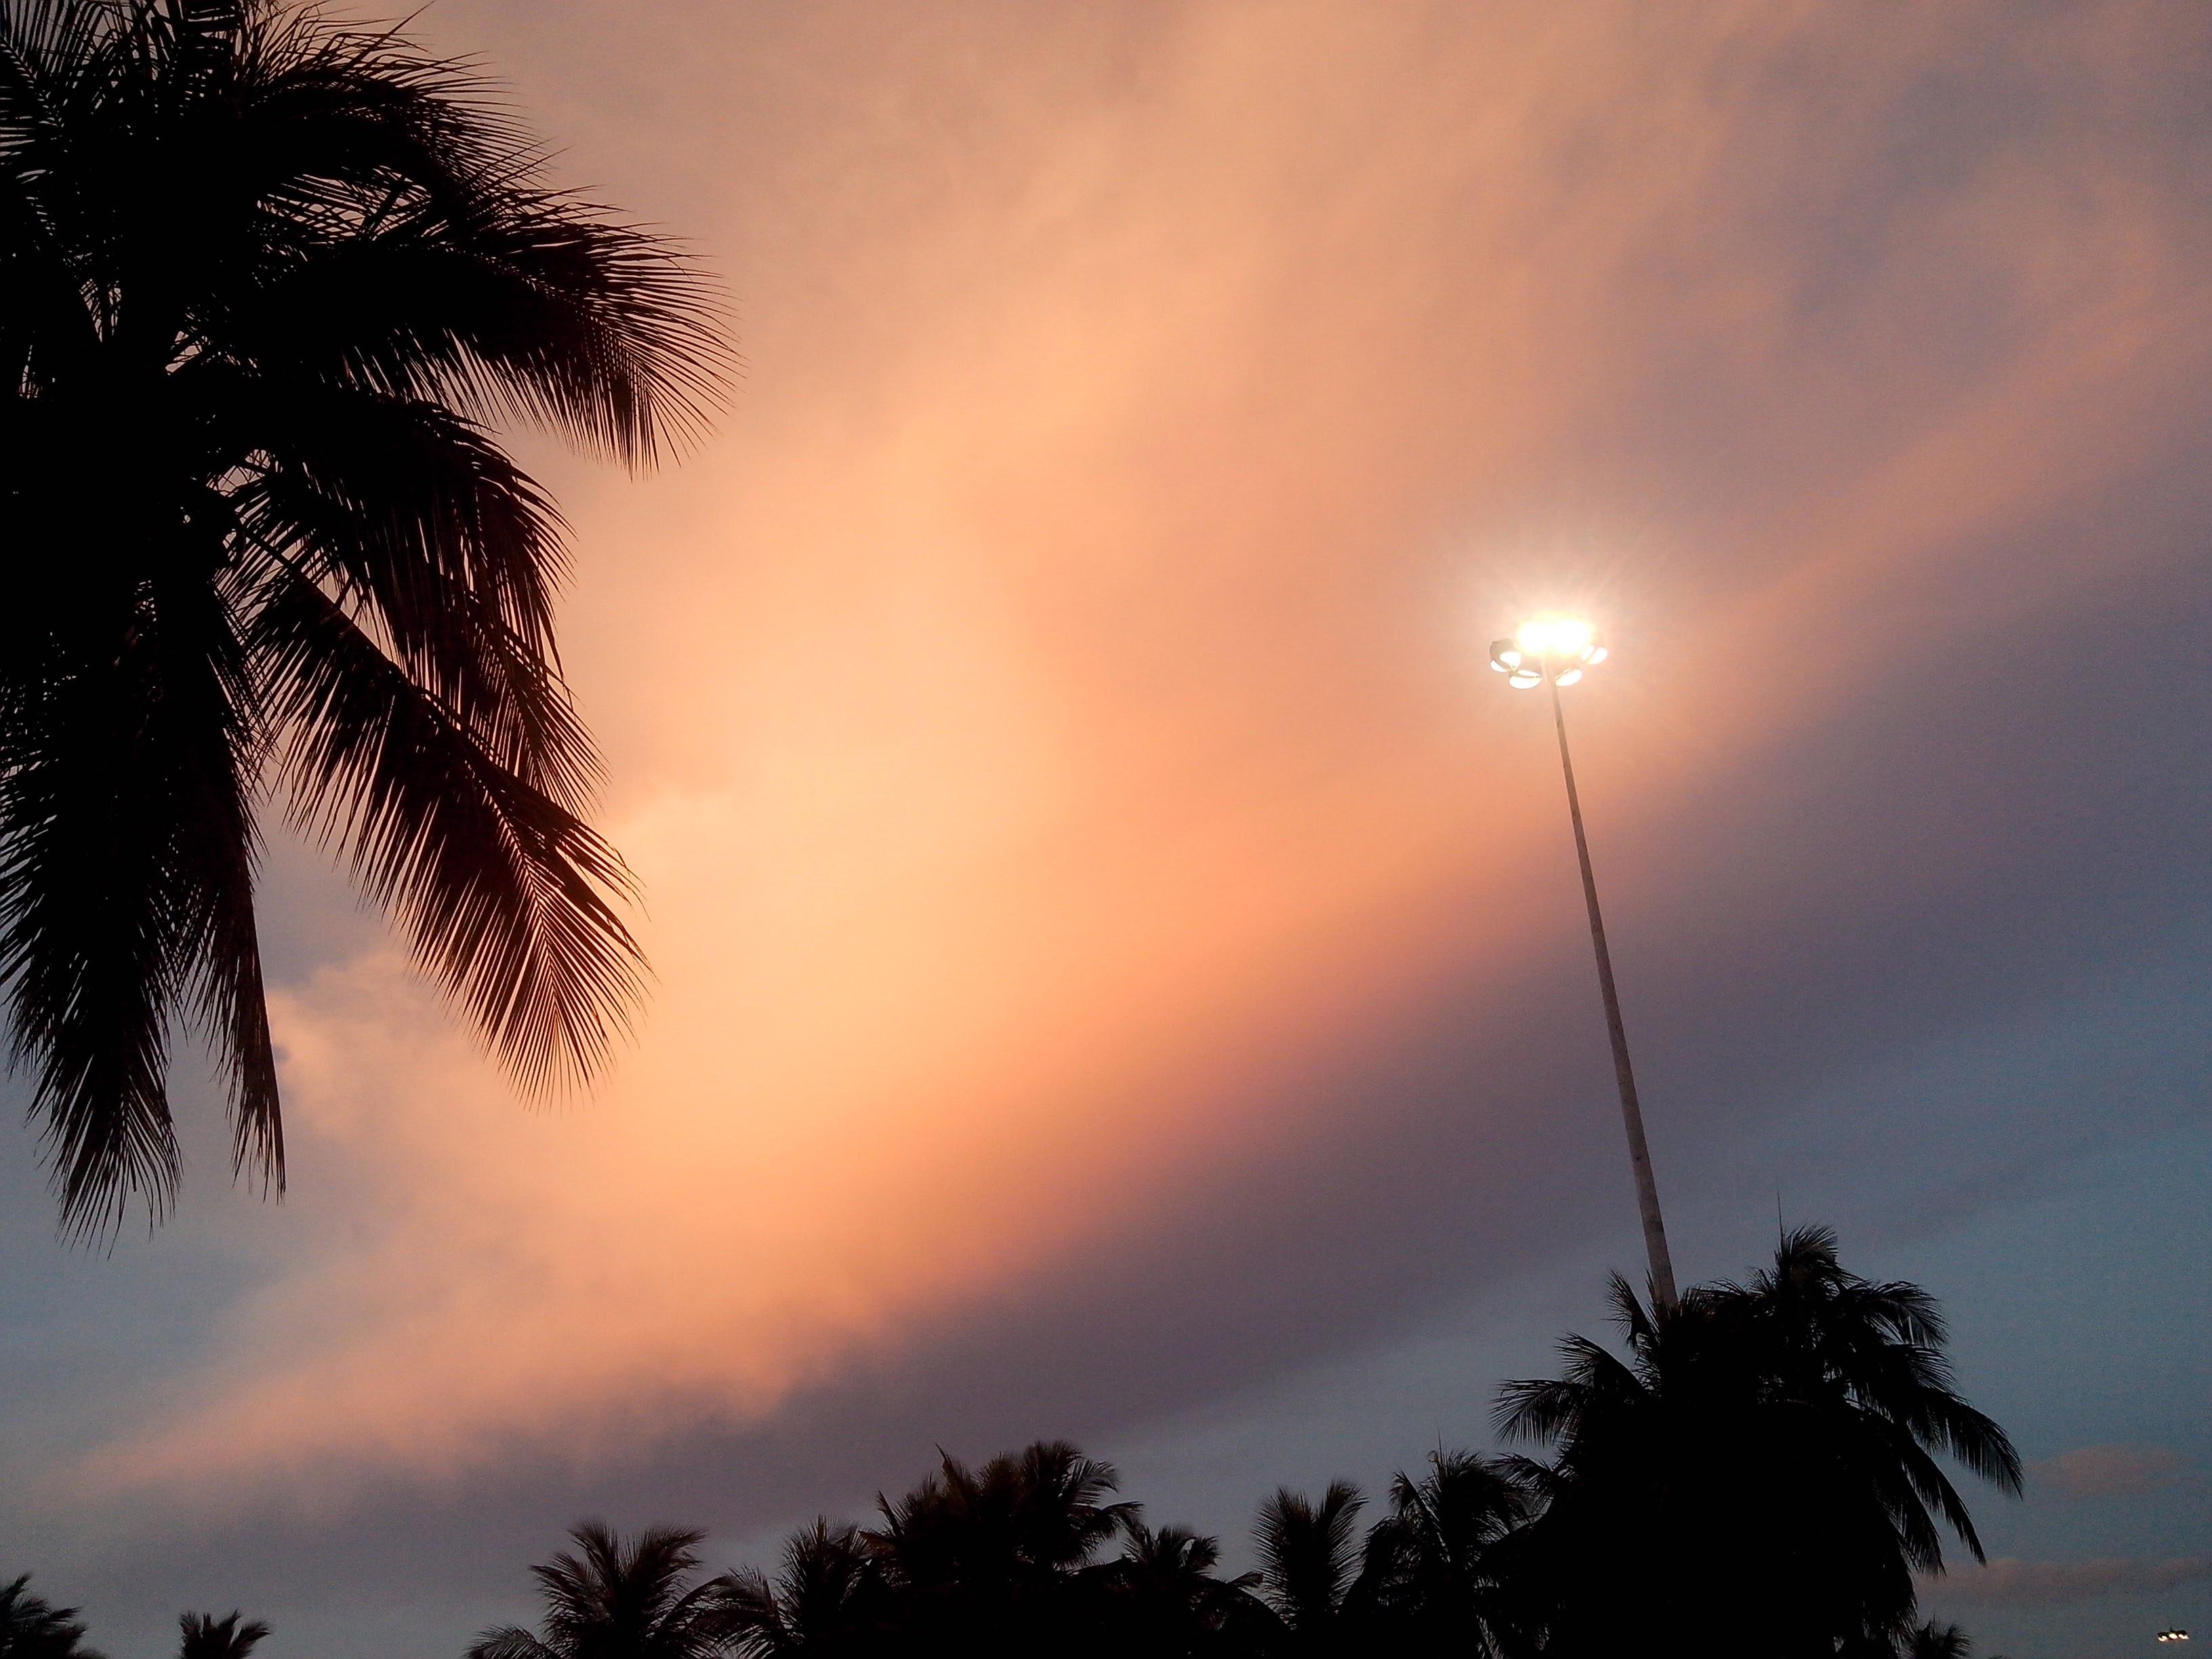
1003 1557
998 1556
1785 1429
618 1601
826 1600
271 280
205 1636
1937 1641
1441 1580
1313 1573
1167 1599
32 1627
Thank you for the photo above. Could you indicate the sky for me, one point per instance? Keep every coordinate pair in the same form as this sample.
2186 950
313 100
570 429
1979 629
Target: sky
1118 968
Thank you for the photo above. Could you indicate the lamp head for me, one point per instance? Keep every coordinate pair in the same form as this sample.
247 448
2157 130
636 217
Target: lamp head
1557 648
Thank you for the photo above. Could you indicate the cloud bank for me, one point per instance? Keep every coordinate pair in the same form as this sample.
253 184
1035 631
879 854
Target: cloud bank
1052 719
1114 939
2009 1582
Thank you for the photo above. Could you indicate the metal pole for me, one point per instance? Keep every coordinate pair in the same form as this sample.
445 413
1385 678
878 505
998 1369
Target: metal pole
1632 1115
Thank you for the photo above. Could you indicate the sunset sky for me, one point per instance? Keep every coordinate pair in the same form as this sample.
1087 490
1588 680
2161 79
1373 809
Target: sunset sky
1119 972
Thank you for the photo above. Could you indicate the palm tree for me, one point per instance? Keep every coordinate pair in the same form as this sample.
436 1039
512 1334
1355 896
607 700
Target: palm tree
206 1637
618 1601
1313 1572
271 282
32 1627
999 1557
1783 1433
1934 1641
1440 1587
827 1600
1168 1599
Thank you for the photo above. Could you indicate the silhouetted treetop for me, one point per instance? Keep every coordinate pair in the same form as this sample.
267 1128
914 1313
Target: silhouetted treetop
271 280
231 1636
32 1627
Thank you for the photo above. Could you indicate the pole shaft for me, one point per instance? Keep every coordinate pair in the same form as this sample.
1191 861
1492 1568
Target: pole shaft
1632 1114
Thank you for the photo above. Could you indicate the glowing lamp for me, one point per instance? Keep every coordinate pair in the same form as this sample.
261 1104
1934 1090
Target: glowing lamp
2173 1636
1554 648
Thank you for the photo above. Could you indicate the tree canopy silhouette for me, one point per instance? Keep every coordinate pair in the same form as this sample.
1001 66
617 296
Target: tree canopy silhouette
271 280
618 1600
1784 1433
32 1627
205 1636
995 1555
1440 1581
1310 1571
1756 1479
826 1600
1933 1640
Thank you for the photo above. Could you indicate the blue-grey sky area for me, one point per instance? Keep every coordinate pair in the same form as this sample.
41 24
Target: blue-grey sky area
1119 969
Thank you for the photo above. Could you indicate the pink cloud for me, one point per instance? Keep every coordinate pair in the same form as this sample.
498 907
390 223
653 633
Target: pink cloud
1059 699
2108 1471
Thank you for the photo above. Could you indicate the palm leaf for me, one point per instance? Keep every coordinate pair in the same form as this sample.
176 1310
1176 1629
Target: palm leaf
506 894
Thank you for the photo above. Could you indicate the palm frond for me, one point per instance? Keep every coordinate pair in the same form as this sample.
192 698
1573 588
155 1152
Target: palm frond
231 1636
505 894
106 887
1308 1555
35 1628
508 1642
315 263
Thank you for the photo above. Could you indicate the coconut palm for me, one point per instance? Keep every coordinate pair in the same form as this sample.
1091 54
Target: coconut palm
1314 1574
1785 1432
998 1557
827 1600
1167 1599
1937 1641
1441 1585
32 1627
271 280
205 1636
618 1600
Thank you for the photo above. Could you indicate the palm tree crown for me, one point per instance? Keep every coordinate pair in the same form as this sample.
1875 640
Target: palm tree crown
32 1627
271 281
1311 1565
1024 1519
1436 1559
618 1600
1789 1427
827 1600
1164 1596
231 1636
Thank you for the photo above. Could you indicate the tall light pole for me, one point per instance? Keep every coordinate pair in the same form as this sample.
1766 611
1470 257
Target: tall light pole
1554 652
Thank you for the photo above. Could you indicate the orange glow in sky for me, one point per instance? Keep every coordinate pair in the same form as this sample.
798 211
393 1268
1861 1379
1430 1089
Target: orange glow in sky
1056 704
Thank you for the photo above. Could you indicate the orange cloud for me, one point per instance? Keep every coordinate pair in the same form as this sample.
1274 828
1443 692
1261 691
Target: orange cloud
1058 698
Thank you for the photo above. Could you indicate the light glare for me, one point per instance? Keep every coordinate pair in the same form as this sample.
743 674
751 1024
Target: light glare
1555 636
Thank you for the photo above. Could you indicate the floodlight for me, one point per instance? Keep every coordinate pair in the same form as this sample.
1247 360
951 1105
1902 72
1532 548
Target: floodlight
1557 649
